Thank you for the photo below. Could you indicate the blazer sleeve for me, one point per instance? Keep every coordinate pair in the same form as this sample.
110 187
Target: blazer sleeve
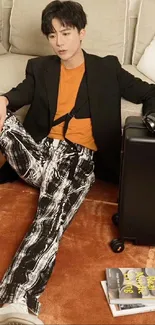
135 90
24 92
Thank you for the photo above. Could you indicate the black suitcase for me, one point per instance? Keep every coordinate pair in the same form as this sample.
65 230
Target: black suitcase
136 203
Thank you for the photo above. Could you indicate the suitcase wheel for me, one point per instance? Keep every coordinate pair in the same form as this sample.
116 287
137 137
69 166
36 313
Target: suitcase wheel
115 219
117 245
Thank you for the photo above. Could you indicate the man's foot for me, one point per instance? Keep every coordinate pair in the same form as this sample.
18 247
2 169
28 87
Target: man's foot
17 314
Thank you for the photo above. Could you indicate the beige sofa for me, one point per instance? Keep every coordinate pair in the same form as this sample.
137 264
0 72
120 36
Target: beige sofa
113 28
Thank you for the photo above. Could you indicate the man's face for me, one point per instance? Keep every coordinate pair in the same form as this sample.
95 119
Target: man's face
65 40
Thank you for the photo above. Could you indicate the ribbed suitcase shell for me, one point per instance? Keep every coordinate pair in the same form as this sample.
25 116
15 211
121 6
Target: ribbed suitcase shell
136 206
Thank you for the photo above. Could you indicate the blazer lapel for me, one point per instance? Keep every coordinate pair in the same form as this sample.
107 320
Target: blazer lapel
82 96
94 85
96 81
52 76
88 86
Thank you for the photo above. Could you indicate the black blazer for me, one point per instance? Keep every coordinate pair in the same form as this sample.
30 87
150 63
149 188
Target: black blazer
107 82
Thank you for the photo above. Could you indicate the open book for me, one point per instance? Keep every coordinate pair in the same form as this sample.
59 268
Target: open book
122 310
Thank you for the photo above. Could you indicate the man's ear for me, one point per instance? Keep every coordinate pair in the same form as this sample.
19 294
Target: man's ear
82 34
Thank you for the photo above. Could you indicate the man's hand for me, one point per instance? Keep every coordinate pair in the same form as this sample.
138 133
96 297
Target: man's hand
3 105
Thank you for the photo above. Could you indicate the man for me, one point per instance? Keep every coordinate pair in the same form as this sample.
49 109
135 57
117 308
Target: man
75 111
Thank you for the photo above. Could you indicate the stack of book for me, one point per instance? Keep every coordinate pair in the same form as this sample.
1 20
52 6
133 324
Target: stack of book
130 290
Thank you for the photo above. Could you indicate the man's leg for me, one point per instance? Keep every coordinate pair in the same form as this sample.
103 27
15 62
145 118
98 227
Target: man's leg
21 151
26 158
59 200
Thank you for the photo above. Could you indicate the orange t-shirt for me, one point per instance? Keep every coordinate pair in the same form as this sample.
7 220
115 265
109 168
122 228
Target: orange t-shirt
79 130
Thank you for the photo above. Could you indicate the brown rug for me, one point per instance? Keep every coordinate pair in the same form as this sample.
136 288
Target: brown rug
74 294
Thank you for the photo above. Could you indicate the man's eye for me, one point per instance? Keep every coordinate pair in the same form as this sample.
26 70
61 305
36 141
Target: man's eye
65 34
51 36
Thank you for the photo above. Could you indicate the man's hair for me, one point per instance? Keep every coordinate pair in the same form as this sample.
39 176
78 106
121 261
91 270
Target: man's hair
69 13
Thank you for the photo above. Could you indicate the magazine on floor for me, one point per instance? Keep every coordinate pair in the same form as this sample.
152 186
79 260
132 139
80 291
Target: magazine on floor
131 285
123 310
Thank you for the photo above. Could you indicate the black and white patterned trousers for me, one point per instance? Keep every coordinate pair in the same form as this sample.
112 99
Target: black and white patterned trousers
45 165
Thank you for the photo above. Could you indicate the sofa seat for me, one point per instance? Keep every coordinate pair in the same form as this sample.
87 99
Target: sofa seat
12 67
128 108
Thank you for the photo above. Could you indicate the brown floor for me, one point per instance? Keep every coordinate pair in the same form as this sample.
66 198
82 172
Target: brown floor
74 294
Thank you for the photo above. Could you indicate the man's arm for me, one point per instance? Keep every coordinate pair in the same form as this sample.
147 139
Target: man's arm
3 107
23 93
135 90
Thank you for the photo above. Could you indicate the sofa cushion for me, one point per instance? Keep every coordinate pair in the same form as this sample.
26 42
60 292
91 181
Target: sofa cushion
25 28
12 67
6 11
145 29
146 65
133 14
2 49
101 39
128 108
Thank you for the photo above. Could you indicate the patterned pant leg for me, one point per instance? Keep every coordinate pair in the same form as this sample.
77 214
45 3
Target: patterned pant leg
21 151
59 200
